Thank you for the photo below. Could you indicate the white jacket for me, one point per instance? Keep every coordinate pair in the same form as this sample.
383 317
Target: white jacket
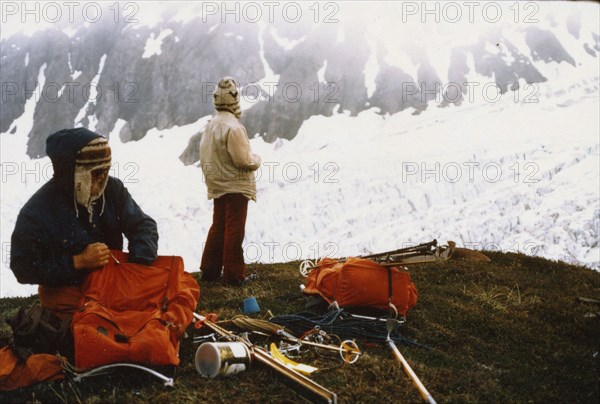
226 159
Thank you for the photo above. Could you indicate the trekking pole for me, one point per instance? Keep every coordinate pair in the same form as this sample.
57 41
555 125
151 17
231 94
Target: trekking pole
407 369
399 257
417 250
409 258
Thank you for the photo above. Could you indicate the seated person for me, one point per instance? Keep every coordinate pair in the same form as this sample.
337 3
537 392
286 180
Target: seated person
68 226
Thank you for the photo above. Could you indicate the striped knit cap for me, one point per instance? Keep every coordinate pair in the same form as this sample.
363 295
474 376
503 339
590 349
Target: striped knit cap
227 97
92 163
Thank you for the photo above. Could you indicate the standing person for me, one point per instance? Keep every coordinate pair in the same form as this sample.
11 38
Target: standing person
228 165
68 226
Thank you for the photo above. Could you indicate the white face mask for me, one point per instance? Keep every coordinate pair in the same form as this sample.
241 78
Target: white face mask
90 183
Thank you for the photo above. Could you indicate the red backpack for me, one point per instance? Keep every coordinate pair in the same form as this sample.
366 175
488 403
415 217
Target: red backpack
134 313
359 282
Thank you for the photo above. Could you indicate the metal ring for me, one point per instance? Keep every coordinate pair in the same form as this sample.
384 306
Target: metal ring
349 351
304 267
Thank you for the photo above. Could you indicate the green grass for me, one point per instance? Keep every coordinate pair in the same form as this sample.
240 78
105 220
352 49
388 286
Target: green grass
507 331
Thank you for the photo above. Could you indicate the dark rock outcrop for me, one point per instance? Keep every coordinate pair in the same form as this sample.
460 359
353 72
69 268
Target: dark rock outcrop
546 47
494 57
16 77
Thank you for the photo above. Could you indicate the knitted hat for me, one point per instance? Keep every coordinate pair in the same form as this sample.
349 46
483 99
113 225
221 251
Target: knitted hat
227 97
92 165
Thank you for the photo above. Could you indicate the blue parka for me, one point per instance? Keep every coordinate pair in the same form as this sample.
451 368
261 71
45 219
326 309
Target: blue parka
51 227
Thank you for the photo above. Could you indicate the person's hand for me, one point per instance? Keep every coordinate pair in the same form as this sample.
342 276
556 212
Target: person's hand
94 256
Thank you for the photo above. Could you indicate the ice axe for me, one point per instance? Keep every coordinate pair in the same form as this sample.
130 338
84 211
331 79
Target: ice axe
390 325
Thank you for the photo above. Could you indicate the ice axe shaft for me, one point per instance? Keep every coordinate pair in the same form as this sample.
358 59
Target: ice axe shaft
390 325
422 390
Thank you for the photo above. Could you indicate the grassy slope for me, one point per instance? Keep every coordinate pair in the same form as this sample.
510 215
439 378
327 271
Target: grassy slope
510 330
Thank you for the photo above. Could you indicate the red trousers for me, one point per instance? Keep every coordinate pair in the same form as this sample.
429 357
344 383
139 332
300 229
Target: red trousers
223 249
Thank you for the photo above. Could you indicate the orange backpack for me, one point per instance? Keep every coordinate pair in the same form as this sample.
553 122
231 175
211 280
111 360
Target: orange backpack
360 282
134 313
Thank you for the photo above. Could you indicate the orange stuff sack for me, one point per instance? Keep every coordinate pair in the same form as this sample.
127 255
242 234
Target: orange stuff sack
134 313
35 369
359 282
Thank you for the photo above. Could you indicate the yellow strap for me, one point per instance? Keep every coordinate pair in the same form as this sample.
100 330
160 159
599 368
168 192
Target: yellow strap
298 367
